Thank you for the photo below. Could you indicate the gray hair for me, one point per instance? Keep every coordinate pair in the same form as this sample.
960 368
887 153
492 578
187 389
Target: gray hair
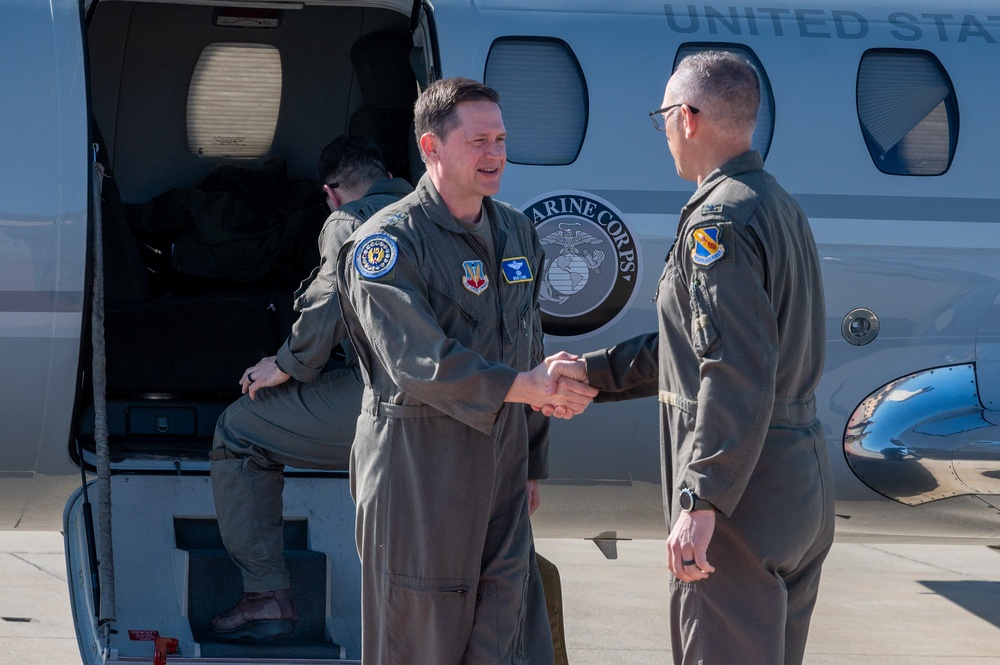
723 84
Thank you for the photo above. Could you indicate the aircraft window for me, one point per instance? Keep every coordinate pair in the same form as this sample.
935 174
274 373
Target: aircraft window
233 100
764 131
908 112
544 99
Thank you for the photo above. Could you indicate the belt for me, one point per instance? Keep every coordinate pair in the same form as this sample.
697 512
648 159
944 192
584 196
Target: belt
374 407
786 411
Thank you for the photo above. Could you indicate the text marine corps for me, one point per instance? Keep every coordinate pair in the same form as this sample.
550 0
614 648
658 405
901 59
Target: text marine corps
592 264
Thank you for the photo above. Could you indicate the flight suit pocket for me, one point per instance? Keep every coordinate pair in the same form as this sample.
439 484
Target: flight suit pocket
428 620
704 335
523 336
519 636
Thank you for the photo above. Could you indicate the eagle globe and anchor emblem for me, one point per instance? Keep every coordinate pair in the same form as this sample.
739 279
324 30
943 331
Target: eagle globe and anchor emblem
592 262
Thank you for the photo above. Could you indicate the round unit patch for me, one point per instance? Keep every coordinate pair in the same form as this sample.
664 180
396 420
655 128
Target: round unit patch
375 256
592 263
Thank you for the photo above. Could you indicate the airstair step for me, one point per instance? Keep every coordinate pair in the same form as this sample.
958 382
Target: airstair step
214 585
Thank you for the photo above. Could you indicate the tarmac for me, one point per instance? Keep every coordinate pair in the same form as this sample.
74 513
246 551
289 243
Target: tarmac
878 604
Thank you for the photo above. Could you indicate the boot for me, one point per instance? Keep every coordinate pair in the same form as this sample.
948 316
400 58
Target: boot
257 616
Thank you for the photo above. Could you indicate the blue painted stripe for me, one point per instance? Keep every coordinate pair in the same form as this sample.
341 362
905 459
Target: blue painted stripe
831 206
41 301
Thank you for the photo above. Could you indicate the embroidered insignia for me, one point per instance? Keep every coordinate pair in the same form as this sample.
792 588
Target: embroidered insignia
708 247
711 209
475 278
395 218
375 256
516 270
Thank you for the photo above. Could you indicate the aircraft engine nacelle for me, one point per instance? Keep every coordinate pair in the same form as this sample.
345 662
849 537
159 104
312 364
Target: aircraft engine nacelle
925 437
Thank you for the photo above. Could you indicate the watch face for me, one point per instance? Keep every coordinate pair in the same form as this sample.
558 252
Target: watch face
686 500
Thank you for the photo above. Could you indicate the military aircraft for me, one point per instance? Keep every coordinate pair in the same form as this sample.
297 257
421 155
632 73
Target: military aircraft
877 116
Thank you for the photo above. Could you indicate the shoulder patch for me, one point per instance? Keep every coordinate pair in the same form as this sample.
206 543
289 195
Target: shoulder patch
708 247
711 209
375 256
516 270
395 218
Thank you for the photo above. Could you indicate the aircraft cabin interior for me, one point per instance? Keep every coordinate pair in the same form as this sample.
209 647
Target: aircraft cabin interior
209 122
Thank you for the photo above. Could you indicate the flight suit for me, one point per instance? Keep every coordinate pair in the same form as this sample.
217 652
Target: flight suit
307 422
738 356
440 462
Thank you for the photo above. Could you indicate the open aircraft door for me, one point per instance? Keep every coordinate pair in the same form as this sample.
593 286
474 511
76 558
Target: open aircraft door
43 238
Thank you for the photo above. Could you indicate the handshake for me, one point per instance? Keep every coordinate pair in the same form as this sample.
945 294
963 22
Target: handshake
557 387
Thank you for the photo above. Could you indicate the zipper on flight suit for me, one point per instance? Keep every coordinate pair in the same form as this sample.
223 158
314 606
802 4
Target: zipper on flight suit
663 275
481 252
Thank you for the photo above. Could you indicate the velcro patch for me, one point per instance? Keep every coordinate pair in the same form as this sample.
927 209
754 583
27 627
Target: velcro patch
516 270
475 278
708 247
375 256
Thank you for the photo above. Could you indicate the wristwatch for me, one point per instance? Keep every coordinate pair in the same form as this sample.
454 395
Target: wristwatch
689 502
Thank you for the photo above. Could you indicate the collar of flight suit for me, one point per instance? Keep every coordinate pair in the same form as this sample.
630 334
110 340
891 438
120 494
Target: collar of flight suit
745 163
437 210
395 186
748 161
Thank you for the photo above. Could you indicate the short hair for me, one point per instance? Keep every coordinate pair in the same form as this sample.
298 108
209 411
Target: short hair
351 162
434 110
724 84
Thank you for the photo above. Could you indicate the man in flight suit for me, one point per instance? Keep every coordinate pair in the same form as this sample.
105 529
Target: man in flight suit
306 415
440 297
739 353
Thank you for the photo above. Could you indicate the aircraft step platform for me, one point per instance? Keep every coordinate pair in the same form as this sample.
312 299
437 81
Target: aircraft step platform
214 585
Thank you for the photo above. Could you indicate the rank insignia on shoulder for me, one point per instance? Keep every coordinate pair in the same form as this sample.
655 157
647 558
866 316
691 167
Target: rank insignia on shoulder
375 256
475 279
708 247
516 270
395 218
711 209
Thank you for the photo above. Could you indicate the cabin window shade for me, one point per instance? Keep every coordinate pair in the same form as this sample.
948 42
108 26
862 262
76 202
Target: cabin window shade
543 96
764 130
233 100
908 112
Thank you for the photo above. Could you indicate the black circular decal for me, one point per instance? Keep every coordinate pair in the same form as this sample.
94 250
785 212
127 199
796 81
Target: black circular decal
592 262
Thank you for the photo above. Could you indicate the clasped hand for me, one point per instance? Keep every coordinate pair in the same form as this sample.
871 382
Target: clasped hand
557 387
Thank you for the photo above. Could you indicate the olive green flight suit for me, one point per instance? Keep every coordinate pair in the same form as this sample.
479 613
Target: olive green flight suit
307 422
736 363
439 466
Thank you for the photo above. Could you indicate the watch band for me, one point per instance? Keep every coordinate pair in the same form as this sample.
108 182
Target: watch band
690 502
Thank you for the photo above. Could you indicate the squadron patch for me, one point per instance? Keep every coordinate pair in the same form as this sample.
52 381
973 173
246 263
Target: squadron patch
516 270
475 279
708 247
375 256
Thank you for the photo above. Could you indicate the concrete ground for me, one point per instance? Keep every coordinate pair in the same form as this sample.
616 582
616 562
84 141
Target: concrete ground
879 604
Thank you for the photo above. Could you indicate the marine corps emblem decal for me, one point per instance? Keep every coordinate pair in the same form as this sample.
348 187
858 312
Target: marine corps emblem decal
592 263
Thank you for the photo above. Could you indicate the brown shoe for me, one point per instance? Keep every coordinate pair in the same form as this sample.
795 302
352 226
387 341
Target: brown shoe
257 616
